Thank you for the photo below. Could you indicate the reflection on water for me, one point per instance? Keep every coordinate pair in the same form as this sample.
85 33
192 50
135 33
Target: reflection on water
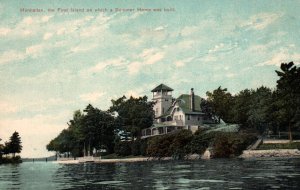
213 174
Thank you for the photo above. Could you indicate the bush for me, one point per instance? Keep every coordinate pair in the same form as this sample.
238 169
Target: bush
135 148
11 160
175 145
201 141
123 148
143 147
227 145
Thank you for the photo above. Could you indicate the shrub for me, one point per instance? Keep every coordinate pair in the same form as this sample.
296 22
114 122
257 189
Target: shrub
143 147
231 144
135 148
123 148
175 145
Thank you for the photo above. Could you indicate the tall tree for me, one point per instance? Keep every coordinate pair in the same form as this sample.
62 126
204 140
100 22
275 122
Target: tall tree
221 101
134 114
258 113
288 94
241 107
15 143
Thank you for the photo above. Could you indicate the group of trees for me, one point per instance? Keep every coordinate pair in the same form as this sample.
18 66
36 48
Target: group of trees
118 130
94 129
13 146
263 108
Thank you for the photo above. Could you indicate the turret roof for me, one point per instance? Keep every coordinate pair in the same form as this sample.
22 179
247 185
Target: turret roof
162 87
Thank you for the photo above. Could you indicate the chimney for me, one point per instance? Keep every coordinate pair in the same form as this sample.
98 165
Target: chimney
192 100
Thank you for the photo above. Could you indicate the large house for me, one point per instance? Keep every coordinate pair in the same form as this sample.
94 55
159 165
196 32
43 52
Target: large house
175 114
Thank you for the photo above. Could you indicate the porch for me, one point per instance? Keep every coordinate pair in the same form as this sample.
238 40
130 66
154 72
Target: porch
159 130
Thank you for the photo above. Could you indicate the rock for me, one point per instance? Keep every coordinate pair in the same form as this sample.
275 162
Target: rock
192 157
206 155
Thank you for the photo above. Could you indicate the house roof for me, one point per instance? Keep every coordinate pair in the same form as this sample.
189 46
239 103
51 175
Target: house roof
184 100
162 87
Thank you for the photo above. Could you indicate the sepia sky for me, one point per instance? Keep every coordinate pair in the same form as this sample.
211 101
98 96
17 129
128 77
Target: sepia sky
53 63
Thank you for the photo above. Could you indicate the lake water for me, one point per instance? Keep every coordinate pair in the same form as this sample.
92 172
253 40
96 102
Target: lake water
201 174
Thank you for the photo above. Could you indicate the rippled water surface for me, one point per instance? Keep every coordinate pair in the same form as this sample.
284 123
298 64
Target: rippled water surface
211 174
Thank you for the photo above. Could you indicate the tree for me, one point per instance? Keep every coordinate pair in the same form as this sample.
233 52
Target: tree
15 143
134 114
241 107
288 94
258 113
221 101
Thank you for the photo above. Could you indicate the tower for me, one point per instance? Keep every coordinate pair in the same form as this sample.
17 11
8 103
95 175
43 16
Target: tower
162 96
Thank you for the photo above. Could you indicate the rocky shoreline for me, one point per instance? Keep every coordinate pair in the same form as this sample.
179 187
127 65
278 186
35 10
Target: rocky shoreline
270 153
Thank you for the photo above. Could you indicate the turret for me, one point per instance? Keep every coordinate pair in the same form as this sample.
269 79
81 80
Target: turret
162 96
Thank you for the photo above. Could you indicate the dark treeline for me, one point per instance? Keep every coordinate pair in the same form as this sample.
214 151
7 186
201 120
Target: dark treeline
13 146
118 130
263 109
94 129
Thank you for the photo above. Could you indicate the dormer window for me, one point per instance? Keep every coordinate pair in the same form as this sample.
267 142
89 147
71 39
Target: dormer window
177 109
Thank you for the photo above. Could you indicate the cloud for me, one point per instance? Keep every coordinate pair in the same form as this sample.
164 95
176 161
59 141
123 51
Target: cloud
91 97
283 56
83 48
35 50
47 36
182 63
51 76
10 56
260 21
151 56
146 57
134 67
6 107
4 31
189 30
160 28
120 61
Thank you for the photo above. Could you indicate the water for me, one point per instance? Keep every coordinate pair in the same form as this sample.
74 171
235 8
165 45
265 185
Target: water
212 174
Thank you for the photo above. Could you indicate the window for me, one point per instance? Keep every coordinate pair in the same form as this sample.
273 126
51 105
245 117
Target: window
198 118
188 117
166 100
177 109
189 127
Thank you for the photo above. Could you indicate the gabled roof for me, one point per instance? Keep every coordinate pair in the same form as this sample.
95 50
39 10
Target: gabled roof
161 87
184 101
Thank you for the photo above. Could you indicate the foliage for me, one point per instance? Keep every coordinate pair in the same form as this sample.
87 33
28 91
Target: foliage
231 144
221 102
134 114
175 145
288 100
92 129
123 148
201 141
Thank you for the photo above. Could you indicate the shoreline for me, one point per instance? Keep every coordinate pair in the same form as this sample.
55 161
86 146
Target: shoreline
247 154
290 153
118 160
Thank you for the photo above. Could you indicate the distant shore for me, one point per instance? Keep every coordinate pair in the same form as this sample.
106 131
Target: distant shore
119 160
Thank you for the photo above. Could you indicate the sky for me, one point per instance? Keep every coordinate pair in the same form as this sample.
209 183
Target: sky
53 63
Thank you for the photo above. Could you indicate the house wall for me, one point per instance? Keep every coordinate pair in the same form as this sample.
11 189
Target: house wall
193 119
179 115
